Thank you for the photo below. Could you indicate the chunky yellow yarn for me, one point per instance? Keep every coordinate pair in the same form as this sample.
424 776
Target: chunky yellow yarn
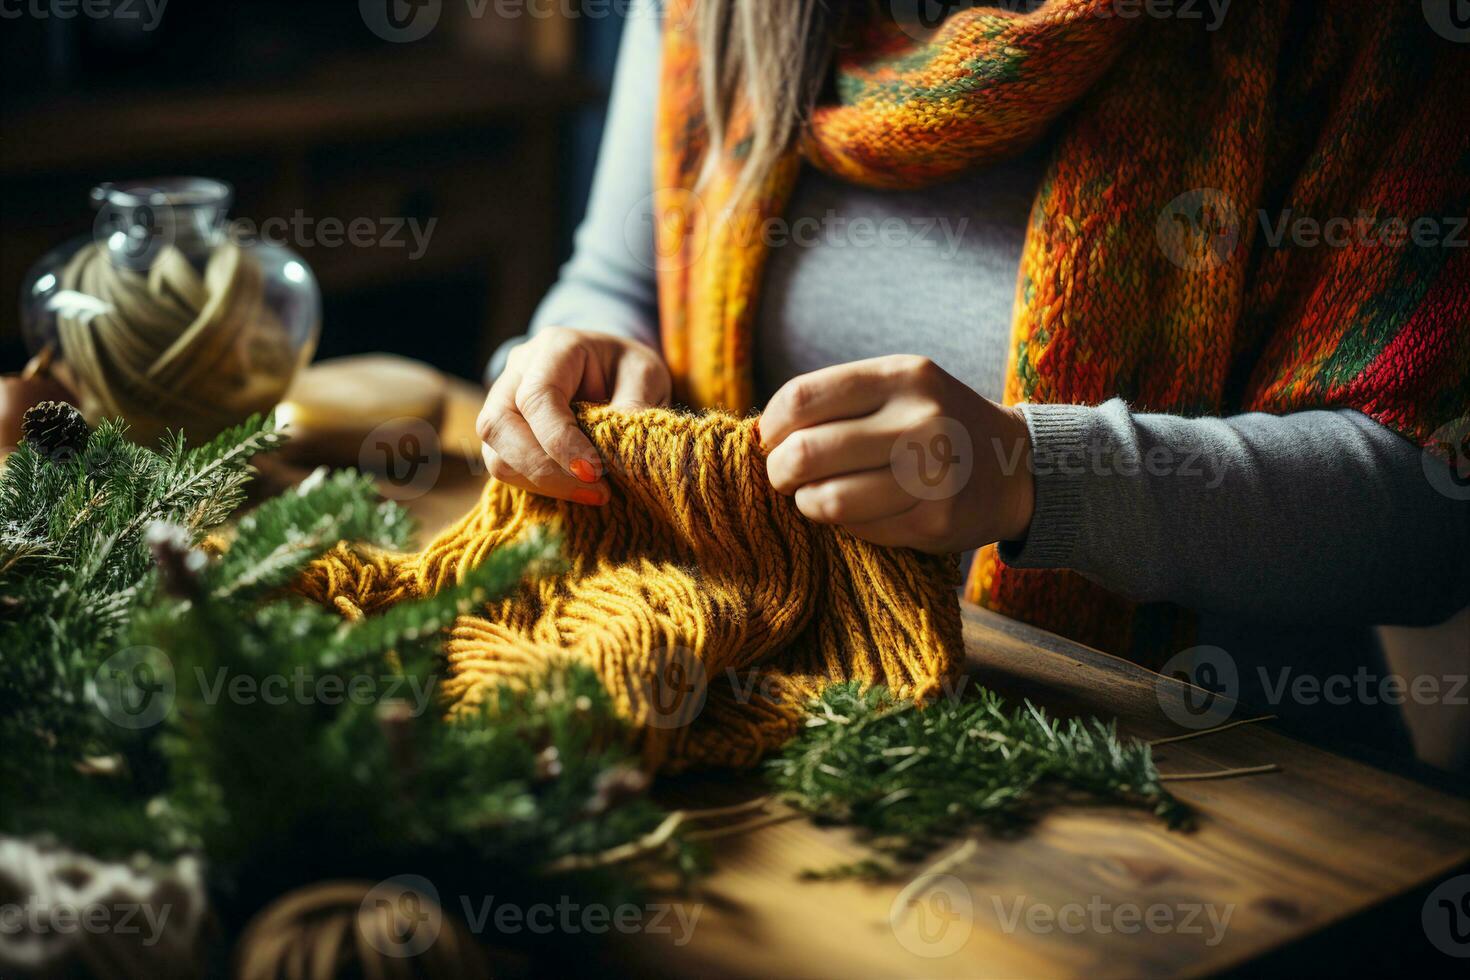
711 609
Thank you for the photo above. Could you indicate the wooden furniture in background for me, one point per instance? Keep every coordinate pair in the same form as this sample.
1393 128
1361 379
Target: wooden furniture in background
442 132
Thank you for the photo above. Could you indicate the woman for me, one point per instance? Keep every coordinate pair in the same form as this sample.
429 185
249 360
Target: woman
1123 301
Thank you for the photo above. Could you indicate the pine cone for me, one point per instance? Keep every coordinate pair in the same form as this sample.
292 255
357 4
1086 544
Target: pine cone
56 430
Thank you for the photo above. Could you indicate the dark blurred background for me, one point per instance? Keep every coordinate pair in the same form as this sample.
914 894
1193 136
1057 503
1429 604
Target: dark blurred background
488 123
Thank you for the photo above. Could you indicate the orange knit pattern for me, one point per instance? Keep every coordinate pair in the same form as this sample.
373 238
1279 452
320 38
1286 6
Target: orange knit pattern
1154 268
709 607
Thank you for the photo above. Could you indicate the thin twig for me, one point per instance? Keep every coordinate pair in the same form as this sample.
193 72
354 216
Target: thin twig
1209 731
944 865
713 813
764 820
651 842
1219 773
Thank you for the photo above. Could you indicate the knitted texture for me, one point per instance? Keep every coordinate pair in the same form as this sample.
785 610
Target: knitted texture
709 607
1171 257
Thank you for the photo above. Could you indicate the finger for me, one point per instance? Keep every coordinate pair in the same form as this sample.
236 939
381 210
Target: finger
497 399
642 381
828 450
910 529
837 392
513 455
855 499
544 400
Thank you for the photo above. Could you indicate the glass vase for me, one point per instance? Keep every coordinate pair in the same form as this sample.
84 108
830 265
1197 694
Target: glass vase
164 318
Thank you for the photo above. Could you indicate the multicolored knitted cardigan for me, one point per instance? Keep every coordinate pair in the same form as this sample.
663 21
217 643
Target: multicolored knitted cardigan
1148 271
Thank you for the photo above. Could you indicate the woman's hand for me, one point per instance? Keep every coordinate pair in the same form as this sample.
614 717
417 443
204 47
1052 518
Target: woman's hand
531 438
900 453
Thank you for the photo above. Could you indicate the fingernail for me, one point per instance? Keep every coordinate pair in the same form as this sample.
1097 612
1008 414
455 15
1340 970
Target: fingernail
583 470
589 497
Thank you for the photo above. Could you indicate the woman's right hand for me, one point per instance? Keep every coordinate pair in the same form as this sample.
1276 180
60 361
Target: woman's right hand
531 437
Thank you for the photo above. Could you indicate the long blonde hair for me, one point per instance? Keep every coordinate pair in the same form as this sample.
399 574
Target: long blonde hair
774 56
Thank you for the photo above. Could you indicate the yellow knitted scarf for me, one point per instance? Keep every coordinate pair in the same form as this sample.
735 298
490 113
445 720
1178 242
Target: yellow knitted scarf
1147 273
709 607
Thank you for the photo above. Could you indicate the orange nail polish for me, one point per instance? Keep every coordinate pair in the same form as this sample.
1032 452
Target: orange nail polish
584 470
589 497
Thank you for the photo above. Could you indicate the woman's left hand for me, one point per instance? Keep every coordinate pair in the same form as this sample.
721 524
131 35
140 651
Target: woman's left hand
900 453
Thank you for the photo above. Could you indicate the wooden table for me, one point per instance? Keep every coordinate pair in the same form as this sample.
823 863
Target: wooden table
1314 863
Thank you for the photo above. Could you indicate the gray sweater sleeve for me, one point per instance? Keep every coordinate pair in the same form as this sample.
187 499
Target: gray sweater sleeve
1319 516
608 284
1311 517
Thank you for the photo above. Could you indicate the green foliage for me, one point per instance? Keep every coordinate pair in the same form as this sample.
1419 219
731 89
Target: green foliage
276 540
288 744
293 733
912 777
74 565
277 707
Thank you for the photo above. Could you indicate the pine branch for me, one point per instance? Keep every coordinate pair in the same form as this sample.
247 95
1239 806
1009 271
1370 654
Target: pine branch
277 539
913 777
205 485
270 788
495 576
533 777
74 568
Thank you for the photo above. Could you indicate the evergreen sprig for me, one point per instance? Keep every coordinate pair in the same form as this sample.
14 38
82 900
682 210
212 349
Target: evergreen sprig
423 620
290 743
913 777
322 781
74 564
276 540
